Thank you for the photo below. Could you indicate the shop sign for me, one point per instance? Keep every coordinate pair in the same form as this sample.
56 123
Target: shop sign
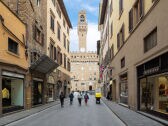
38 79
150 71
10 74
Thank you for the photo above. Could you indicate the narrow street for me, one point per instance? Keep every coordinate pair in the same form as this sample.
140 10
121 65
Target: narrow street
56 50
90 115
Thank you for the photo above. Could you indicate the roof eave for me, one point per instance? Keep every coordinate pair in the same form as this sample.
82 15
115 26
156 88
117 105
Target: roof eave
103 12
62 6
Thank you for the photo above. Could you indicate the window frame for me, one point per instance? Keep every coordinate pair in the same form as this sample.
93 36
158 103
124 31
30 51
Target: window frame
68 46
38 2
58 31
38 35
65 61
52 22
131 20
14 43
123 62
121 33
64 23
121 7
51 50
154 44
58 10
64 38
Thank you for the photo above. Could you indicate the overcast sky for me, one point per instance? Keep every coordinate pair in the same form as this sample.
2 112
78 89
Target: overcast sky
92 9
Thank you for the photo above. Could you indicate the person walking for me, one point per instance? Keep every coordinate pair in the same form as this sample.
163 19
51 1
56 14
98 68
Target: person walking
86 97
62 99
79 98
71 96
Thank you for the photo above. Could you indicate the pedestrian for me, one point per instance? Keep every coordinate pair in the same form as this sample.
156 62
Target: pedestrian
86 97
79 98
71 96
108 95
62 99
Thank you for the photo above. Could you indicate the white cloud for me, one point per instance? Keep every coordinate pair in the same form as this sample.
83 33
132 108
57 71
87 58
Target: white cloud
74 39
89 8
92 36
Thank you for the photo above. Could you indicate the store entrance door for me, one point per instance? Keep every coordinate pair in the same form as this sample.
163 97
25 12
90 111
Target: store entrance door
114 90
50 92
90 88
37 92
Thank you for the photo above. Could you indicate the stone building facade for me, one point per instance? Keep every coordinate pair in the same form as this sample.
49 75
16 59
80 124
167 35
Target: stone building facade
84 65
58 27
138 51
84 70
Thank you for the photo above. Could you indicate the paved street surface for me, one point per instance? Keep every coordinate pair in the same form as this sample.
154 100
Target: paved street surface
132 118
90 115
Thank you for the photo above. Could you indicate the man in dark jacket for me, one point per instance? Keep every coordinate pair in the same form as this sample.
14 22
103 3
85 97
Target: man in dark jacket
71 96
62 99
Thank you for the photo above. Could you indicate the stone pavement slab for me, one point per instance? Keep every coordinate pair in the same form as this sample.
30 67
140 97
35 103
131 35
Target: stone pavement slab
130 117
25 113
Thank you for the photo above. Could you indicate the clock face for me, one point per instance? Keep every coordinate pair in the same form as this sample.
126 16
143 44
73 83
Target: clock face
82 18
82 30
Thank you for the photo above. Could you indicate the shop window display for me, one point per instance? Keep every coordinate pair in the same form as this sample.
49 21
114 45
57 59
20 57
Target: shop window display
12 94
123 89
50 93
154 94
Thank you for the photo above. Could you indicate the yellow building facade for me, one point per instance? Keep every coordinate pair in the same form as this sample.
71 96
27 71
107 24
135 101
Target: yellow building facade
13 61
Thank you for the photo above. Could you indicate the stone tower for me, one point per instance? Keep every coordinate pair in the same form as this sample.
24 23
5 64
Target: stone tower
82 30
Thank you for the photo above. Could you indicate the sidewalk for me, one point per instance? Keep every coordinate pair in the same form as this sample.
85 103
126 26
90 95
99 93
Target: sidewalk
25 113
130 117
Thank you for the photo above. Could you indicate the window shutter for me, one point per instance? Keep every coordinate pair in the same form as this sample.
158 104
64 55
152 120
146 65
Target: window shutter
141 7
34 31
131 20
42 39
122 32
55 53
118 41
61 58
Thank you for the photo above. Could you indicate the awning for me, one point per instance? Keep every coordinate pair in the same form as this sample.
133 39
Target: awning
44 65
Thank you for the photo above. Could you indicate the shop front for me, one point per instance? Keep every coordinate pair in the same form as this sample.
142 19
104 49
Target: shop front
12 91
124 89
42 91
51 89
58 88
50 92
114 90
153 86
37 91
